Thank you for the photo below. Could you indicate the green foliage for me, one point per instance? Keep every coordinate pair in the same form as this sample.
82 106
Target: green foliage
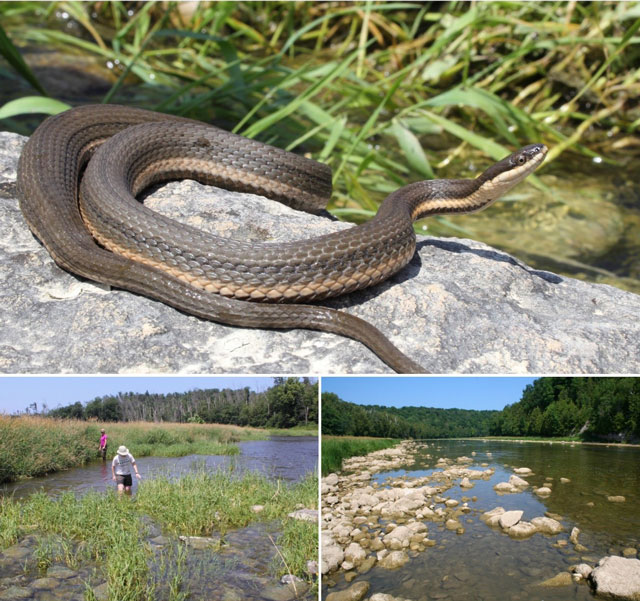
340 418
593 408
290 402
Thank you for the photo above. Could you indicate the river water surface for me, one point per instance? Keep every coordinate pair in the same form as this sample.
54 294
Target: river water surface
483 563
285 457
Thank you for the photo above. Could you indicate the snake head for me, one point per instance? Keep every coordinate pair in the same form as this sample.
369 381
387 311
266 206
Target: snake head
513 169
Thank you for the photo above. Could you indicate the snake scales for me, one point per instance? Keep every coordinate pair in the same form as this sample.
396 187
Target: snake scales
126 150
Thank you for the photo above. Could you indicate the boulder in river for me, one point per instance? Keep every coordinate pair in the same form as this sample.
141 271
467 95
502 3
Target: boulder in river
393 560
510 518
522 530
543 491
354 554
547 525
617 578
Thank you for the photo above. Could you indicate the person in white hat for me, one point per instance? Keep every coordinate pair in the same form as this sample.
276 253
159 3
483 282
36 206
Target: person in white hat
121 469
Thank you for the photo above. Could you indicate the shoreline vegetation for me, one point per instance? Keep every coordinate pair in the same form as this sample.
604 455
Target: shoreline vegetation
76 531
337 448
32 446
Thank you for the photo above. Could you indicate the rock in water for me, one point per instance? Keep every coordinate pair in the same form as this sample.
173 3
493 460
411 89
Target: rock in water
510 518
617 578
454 291
561 579
354 593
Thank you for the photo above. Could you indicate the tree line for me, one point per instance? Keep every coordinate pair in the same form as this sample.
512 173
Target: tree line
341 418
605 408
289 402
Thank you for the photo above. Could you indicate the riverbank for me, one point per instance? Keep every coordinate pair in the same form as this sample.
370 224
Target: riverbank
156 545
335 449
569 440
33 446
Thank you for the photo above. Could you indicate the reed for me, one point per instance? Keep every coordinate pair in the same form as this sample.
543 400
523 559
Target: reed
34 446
110 530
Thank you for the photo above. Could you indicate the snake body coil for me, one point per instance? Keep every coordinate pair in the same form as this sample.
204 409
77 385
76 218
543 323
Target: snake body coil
205 275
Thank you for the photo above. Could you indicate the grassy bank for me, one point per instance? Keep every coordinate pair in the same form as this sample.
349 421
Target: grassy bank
35 446
337 448
111 531
310 430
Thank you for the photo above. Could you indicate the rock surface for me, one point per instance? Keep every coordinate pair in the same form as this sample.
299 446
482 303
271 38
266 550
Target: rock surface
481 310
617 578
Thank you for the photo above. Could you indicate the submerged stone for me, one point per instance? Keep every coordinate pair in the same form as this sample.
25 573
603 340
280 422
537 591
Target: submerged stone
354 593
60 572
561 579
14 593
307 515
200 542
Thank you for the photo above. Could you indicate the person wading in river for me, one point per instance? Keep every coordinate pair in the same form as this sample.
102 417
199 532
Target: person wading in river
102 449
121 469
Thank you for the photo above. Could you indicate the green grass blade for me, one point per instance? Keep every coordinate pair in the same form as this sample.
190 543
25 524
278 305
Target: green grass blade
412 149
14 58
32 104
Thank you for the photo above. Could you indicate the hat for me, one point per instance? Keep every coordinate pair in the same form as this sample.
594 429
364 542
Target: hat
101 429
122 450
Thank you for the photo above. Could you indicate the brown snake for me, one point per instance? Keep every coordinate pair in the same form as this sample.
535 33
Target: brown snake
129 149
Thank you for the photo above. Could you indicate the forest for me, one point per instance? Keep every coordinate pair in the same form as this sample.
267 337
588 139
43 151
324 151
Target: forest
605 408
289 402
589 409
340 418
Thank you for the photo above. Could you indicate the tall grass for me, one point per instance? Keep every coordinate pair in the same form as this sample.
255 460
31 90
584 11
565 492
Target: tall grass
32 446
386 93
337 448
35 446
110 530
205 502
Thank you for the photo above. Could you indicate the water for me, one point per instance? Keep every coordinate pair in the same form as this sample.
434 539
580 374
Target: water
483 562
287 457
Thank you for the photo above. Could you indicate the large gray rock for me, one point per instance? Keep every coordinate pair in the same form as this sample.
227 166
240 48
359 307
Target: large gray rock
617 578
459 306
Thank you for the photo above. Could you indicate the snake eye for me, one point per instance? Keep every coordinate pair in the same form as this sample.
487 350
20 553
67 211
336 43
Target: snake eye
521 160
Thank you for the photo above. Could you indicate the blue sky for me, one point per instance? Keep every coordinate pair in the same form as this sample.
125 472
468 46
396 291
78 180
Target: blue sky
16 393
461 392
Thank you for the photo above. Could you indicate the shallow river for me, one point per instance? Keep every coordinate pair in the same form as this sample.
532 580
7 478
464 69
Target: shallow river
485 564
286 457
240 569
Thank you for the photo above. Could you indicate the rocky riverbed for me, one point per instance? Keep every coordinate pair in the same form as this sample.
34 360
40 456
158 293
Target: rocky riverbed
394 536
236 567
